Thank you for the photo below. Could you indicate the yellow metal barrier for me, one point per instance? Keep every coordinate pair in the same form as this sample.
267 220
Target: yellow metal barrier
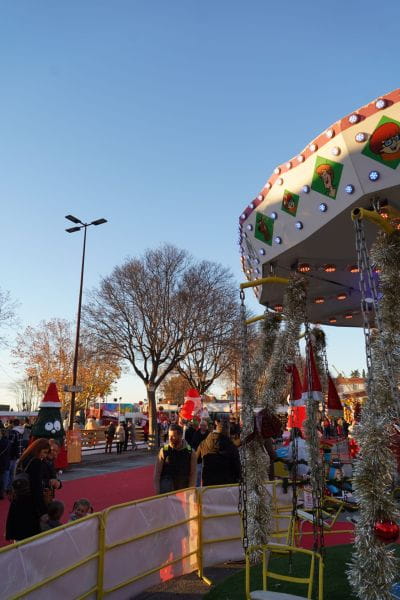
23 593
194 503
169 563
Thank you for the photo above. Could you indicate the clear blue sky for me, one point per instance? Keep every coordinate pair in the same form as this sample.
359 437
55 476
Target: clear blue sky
164 117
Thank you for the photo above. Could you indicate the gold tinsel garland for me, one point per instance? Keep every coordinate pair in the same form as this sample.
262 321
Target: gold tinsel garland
374 567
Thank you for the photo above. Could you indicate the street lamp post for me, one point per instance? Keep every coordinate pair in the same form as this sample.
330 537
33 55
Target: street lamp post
84 226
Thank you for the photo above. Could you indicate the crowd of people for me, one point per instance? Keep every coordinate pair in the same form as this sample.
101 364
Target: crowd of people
29 479
194 456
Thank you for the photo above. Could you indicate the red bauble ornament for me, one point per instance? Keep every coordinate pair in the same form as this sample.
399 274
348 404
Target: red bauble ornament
386 531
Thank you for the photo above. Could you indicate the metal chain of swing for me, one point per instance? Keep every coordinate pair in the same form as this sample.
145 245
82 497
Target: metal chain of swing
242 501
371 310
317 483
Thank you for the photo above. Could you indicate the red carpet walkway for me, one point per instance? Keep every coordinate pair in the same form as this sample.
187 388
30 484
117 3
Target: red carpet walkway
101 490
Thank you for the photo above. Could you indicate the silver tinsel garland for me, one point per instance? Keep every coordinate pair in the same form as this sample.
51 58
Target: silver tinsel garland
285 347
264 383
374 567
256 501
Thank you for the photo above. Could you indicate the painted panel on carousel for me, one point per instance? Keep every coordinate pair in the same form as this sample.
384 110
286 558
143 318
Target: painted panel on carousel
384 143
326 177
290 203
264 229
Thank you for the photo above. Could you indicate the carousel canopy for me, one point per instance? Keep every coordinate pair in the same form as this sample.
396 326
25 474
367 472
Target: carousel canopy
301 220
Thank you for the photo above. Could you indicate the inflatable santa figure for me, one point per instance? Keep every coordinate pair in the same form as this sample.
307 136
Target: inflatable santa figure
192 405
49 425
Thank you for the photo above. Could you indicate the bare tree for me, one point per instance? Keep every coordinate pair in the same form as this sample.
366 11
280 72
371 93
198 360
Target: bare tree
153 311
26 393
217 343
7 313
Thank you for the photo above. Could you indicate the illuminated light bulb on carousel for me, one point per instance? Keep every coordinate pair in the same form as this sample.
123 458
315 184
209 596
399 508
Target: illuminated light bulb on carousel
336 151
260 197
319 300
300 158
341 296
361 137
243 216
303 268
381 103
373 175
261 252
377 270
268 185
278 240
274 215
299 225
348 316
288 165
354 118
279 181
333 320
277 170
354 269
330 133
313 147
249 227
349 189
323 207
329 268
278 307
306 189
252 205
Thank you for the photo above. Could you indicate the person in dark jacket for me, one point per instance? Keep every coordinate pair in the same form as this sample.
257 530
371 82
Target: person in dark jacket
220 457
200 434
175 467
5 447
23 519
189 434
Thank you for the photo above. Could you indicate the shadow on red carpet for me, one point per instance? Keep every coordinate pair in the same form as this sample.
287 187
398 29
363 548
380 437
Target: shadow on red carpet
102 491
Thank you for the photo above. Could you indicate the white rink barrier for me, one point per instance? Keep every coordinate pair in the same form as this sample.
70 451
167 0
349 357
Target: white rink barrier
63 563
128 548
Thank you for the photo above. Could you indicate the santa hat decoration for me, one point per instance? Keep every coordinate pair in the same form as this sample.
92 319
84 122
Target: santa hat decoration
297 410
314 389
296 395
51 399
334 405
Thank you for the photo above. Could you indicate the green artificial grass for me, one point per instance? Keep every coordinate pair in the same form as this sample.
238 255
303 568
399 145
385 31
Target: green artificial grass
336 586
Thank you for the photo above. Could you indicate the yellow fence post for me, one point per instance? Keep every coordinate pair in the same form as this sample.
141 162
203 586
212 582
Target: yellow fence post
100 562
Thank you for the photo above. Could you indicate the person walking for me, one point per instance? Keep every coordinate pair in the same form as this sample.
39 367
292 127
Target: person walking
120 437
175 467
125 426
4 461
130 431
110 434
28 505
219 456
15 435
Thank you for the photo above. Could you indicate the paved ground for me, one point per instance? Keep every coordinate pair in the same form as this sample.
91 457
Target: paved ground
102 463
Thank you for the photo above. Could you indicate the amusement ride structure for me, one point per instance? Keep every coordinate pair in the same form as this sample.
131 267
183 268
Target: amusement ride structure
321 244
